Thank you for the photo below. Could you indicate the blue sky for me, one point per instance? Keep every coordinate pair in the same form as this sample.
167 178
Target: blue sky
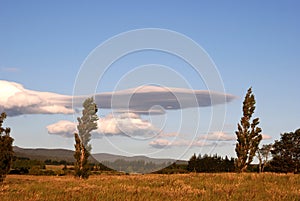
43 45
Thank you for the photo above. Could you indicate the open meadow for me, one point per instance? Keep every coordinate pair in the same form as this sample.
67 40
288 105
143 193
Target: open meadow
221 186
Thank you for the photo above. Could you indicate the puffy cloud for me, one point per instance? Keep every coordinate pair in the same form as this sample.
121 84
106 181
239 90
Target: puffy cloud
163 143
63 128
16 100
128 124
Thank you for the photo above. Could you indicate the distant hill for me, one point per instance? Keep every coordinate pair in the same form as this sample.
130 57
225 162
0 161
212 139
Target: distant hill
43 154
111 158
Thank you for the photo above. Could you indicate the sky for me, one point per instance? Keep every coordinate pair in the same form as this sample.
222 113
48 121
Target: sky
53 53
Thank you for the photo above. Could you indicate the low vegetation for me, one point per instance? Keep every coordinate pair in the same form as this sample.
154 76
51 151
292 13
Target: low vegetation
194 186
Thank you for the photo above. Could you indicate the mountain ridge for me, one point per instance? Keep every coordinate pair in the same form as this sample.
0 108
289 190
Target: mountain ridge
59 154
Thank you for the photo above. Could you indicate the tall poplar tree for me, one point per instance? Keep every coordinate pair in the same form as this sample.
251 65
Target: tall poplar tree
6 149
248 134
86 124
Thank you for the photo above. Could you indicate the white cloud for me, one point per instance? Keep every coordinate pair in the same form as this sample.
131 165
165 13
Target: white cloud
63 128
16 100
127 124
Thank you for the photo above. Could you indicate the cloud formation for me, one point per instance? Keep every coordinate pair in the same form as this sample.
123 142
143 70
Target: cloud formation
63 128
17 100
126 124
164 143
129 124
155 99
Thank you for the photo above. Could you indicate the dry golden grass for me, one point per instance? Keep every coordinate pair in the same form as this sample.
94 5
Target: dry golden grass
223 186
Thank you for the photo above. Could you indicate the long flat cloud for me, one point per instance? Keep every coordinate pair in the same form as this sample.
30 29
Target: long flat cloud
164 143
205 140
223 136
15 100
156 99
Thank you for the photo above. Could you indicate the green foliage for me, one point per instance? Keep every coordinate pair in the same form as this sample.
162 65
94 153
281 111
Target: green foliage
173 169
86 124
55 162
286 153
6 149
213 163
21 165
192 164
248 134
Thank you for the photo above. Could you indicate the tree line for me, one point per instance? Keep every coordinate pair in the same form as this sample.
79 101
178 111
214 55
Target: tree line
213 163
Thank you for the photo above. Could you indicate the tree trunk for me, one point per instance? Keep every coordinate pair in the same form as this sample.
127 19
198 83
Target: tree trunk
81 159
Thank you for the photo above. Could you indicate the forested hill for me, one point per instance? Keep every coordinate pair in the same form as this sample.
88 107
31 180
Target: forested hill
43 154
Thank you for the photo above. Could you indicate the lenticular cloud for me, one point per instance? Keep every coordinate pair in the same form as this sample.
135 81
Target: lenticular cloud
17 100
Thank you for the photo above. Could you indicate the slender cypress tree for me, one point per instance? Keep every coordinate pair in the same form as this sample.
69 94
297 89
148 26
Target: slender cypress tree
248 134
6 149
86 124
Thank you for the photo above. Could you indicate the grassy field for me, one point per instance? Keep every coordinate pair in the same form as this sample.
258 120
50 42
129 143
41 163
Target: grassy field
223 186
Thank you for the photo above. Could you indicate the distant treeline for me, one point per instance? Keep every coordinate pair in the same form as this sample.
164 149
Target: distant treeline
213 163
200 163
23 165
137 166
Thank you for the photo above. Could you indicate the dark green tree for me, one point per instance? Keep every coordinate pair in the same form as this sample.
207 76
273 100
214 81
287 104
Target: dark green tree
286 153
6 149
192 164
248 134
86 124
